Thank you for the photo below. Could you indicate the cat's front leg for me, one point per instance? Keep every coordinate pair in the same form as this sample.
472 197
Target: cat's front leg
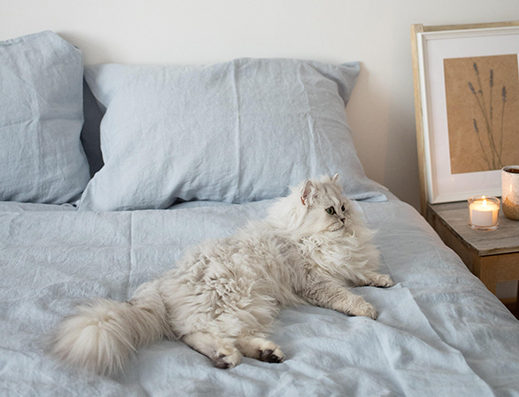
324 291
375 279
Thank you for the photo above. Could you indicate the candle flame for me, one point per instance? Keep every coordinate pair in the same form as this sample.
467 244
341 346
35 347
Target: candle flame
484 202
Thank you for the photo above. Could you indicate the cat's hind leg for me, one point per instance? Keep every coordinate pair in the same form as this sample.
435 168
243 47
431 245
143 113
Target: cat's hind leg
260 349
222 352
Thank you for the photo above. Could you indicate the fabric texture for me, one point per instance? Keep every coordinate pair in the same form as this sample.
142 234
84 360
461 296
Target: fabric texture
236 132
41 157
440 332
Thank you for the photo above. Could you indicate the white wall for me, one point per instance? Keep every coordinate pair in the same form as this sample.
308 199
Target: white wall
376 33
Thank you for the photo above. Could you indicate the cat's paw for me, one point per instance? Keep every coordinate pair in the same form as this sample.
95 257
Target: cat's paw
272 356
227 359
364 309
382 281
260 349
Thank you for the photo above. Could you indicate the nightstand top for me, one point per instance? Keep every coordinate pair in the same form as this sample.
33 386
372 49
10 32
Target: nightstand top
455 216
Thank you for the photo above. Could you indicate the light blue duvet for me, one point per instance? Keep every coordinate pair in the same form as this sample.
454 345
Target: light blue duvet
439 332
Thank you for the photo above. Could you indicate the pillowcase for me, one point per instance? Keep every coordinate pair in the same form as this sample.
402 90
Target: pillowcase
41 158
235 132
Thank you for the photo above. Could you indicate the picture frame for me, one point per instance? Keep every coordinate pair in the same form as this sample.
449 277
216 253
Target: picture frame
458 157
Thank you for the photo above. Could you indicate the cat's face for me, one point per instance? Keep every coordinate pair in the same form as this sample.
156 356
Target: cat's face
326 209
315 206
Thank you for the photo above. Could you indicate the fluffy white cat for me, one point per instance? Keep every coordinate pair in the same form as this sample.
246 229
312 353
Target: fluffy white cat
224 294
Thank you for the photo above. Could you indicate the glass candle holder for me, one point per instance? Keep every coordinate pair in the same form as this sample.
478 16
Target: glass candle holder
483 212
510 187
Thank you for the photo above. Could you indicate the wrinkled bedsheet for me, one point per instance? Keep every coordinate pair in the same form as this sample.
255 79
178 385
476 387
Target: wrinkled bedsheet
439 332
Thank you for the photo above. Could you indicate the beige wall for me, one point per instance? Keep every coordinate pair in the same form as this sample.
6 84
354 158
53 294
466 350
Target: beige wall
376 33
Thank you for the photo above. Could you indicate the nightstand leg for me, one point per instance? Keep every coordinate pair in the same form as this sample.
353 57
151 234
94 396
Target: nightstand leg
485 268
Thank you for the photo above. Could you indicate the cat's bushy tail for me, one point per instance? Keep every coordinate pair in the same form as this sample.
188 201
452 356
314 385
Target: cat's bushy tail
103 335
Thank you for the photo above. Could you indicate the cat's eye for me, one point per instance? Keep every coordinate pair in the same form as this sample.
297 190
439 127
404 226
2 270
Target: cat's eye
330 210
343 208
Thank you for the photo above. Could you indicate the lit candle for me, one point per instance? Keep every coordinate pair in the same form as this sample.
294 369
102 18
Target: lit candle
483 212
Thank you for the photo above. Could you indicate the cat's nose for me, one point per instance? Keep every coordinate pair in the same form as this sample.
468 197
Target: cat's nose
343 220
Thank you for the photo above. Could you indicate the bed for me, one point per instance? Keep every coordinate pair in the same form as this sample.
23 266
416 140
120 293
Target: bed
104 223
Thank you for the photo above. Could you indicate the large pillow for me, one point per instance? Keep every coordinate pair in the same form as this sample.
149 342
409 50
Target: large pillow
41 114
235 132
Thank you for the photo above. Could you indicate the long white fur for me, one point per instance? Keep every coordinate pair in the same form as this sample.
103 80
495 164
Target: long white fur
224 294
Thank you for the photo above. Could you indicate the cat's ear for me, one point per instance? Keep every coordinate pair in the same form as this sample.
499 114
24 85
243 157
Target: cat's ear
307 192
335 177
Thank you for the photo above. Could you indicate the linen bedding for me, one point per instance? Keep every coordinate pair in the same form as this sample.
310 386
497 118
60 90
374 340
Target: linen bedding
440 332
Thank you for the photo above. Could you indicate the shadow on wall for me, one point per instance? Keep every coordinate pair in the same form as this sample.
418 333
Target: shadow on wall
89 45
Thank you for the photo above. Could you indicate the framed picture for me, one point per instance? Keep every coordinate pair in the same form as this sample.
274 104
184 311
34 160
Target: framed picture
466 82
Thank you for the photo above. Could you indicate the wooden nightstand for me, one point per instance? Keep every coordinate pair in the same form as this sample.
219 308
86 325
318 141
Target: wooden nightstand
493 256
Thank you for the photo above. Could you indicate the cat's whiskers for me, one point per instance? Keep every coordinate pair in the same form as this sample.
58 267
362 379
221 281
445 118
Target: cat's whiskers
337 229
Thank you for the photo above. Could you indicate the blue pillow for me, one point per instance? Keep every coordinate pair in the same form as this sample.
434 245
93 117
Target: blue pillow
41 114
234 132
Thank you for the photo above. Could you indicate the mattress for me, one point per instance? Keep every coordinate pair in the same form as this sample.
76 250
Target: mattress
440 332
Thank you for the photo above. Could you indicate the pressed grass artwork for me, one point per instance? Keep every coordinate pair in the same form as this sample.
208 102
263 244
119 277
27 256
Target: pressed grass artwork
482 95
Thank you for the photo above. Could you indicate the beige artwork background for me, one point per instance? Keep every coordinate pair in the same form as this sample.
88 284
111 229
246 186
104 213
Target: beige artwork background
481 136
